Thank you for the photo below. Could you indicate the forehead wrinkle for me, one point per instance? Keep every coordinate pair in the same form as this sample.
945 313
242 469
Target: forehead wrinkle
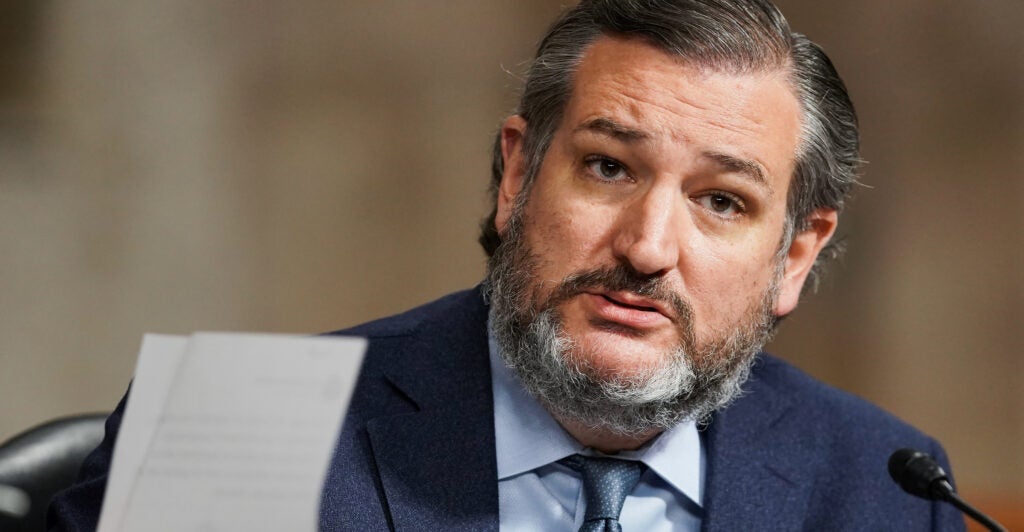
713 114
646 106
627 117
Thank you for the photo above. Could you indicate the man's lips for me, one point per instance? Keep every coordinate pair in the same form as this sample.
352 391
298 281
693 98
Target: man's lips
630 309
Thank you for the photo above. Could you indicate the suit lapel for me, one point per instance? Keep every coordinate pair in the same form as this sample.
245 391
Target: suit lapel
435 476
437 465
758 477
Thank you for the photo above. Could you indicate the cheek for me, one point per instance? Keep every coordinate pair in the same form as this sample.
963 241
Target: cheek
723 282
569 238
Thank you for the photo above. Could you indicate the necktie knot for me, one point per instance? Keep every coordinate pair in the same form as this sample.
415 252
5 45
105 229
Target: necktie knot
606 483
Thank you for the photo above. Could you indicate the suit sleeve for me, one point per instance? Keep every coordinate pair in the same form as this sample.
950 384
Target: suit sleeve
77 509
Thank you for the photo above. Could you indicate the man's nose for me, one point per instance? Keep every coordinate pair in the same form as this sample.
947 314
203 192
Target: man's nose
647 233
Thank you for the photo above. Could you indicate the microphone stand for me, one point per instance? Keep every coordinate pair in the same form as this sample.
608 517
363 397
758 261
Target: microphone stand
962 505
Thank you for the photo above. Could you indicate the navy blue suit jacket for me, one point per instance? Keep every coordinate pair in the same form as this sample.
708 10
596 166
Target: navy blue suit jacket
417 448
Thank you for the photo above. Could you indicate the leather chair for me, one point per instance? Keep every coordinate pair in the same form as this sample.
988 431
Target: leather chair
39 462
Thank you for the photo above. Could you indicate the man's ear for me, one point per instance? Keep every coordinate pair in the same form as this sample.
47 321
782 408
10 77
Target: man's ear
804 250
514 174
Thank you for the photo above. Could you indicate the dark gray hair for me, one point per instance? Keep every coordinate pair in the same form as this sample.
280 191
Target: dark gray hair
736 36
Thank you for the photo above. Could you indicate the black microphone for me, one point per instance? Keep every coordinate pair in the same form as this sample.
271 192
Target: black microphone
918 474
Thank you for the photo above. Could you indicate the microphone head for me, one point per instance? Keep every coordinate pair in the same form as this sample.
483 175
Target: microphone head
918 474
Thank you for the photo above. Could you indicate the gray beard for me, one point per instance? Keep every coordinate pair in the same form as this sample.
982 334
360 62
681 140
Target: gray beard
691 382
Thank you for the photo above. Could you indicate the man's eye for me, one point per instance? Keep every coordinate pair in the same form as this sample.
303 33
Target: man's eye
607 169
722 203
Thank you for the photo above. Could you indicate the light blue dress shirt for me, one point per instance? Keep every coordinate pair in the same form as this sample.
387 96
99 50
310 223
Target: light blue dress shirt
536 493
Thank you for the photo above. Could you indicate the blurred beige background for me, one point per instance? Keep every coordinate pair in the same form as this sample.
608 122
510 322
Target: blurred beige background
302 166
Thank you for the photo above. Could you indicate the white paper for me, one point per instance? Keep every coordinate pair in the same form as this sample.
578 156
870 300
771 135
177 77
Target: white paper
155 370
243 438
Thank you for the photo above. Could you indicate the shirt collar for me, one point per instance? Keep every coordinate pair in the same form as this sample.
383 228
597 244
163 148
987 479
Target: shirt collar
528 437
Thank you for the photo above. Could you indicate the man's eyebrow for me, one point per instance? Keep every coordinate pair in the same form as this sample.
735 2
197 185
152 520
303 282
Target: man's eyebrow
611 128
747 167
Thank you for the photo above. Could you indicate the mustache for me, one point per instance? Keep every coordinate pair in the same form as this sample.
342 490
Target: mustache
620 278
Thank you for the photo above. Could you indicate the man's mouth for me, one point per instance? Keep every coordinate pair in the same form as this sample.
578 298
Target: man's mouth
630 309
631 300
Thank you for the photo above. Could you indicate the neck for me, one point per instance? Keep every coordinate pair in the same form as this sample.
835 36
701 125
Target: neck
603 440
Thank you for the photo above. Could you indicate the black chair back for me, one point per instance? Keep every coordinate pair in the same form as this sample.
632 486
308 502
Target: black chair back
39 462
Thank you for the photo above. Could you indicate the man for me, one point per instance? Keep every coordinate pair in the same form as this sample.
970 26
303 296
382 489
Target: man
665 191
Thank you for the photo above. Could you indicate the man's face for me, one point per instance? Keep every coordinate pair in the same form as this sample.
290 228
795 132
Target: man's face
675 177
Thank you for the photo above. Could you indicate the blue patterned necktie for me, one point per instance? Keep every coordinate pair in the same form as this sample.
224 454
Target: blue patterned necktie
606 482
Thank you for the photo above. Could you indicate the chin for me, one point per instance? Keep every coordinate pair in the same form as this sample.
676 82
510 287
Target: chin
606 356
